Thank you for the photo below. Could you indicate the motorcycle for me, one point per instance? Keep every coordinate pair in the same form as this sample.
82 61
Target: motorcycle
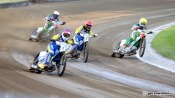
138 44
58 62
38 35
84 44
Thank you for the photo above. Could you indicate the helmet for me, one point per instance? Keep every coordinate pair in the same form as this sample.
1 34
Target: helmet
66 34
88 22
88 25
56 14
143 21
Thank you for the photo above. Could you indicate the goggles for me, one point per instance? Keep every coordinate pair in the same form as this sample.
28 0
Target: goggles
66 35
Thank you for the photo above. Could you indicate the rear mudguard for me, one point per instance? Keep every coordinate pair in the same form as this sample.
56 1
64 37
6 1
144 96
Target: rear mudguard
41 59
36 32
39 29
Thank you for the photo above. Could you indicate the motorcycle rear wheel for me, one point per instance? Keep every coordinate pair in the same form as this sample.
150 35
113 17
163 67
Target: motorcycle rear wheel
34 62
118 55
33 33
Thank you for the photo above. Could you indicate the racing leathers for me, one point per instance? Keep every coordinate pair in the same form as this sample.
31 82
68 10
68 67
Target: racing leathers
135 33
50 21
78 39
53 48
138 26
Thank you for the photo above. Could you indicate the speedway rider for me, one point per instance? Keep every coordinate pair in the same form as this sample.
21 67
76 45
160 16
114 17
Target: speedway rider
51 19
137 30
86 28
53 47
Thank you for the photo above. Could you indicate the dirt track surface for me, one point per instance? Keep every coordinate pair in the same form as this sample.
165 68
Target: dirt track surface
102 76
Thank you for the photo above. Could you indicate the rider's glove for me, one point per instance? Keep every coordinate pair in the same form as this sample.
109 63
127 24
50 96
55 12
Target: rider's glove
52 40
150 32
46 18
64 23
72 42
78 34
95 35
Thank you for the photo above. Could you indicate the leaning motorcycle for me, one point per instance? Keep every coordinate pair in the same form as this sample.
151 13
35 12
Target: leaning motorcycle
38 35
58 62
84 44
138 44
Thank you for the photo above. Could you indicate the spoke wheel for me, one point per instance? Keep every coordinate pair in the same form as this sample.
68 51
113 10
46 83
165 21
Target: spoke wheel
86 52
62 65
142 47
118 55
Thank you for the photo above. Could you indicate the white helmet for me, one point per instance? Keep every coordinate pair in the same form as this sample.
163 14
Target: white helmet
66 34
56 13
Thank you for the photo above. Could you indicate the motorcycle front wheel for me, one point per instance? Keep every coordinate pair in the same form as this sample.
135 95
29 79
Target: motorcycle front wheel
62 65
85 51
142 47
118 55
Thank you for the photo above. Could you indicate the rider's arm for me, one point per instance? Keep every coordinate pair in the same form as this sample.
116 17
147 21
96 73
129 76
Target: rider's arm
59 22
133 34
69 42
138 26
78 30
91 33
135 27
48 18
56 37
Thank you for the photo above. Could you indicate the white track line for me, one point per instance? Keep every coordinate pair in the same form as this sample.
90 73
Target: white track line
121 78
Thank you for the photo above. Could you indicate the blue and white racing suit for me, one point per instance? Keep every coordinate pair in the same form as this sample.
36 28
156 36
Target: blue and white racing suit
78 39
54 49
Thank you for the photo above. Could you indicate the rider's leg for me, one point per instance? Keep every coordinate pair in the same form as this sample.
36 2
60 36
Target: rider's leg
77 41
52 50
129 40
47 25
133 49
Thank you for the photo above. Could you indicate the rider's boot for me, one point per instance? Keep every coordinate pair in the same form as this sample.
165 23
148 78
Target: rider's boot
131 50
47 68
127 50
34 65
113 54
76 55
134 49
122 48
30 39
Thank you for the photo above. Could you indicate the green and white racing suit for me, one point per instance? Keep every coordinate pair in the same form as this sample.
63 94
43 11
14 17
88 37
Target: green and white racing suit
50 20
135 33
